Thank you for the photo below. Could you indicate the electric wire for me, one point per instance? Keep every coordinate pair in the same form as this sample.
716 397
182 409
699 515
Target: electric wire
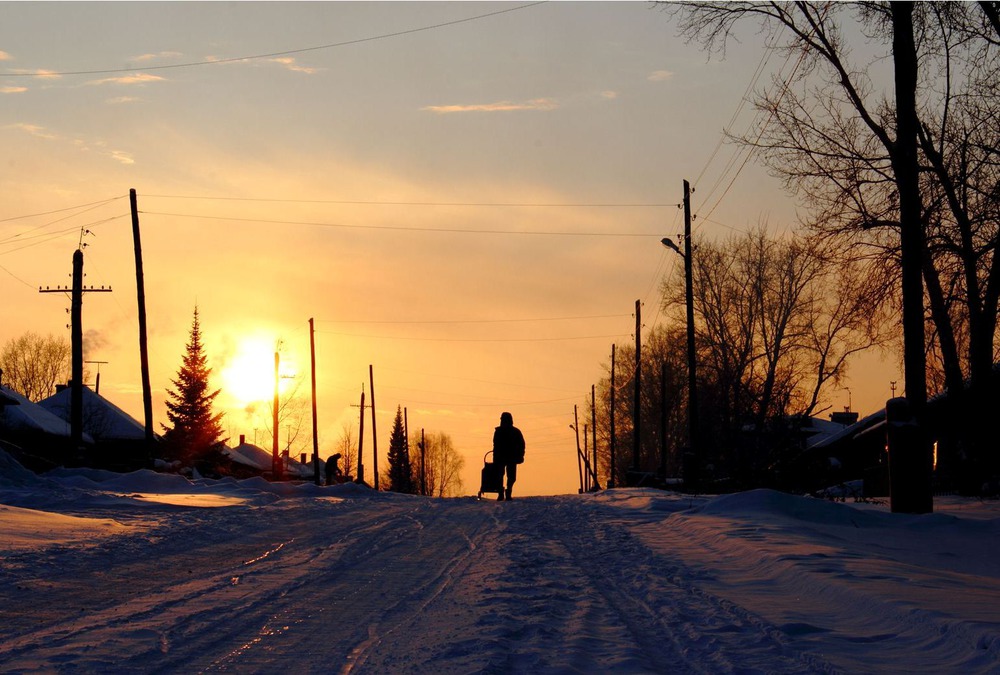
271 55
434 339
375 202
400 228
474 321
68 208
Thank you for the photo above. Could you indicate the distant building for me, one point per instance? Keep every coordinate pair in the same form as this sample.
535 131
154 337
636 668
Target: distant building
39 439
118 439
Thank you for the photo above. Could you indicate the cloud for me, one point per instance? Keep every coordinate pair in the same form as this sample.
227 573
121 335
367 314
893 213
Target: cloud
119 100
609 95
34 130
134 78
289 63
543 104
4 56
660 76
158 55
121 156
13 90
40 73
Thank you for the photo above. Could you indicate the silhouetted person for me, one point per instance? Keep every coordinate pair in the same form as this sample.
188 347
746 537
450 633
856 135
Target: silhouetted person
508 450
333 469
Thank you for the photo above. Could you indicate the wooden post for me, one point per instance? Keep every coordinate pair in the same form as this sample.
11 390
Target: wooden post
371 379
147 396
579 460
663 419
361 439
276 469
312 356
406 445
76 345
423 475
693 426
614 441
636 409
593 430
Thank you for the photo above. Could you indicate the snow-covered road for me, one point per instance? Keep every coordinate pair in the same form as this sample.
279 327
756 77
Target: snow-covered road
343 580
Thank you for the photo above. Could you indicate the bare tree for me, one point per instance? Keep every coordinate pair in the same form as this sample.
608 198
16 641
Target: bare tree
33 365
442 466
347 446
906 166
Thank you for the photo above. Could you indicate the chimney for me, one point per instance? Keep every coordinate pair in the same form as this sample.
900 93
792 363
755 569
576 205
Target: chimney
243 439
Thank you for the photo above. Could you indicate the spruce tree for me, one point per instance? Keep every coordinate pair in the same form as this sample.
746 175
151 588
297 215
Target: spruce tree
195 436
400 475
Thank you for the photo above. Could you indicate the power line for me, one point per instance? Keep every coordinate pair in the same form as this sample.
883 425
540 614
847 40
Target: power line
68 208
400 228
421 339
357 202
271 55
474 321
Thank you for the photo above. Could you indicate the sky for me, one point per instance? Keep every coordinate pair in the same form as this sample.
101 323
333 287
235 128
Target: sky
467 197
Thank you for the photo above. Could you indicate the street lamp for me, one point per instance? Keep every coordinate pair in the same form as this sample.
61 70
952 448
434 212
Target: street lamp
691 467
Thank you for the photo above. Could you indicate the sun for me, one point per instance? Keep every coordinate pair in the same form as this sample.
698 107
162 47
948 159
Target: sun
249 375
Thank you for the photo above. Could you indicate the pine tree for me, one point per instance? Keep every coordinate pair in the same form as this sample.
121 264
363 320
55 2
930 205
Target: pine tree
400 475
195 436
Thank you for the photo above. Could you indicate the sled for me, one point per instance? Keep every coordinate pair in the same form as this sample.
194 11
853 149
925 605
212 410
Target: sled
492 480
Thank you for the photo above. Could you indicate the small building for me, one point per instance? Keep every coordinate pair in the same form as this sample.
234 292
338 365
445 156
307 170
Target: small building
119 440
39 439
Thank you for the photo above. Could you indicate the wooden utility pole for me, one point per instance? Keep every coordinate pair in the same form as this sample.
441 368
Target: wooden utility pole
371 379
423 475
361 438
406 445
614 441
579 455
693 427
76 346
276 468
312 357
663 419
636 404
140 287
593 430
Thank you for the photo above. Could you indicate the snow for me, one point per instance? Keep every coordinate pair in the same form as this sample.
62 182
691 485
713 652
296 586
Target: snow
142 572
28 416
105 420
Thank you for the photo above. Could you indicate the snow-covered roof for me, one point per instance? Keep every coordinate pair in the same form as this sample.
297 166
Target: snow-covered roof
28 416
102 419
250 455
864 423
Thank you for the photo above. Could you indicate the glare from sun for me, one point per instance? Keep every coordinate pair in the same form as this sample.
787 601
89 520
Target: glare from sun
249 375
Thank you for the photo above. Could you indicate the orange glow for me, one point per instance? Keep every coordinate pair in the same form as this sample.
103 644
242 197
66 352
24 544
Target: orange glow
249 376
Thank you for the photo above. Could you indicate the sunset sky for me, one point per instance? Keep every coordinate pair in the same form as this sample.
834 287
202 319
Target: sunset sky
467 196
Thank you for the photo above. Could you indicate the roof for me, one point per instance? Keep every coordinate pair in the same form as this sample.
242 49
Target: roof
102 419
28 416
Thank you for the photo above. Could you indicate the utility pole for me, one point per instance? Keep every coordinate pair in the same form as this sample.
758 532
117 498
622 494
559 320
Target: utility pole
276 469
312 356
147 396
593 430
636 409
371 379
663 420
406 445
361 438
614 441
693 427
423 476
579 455
76 345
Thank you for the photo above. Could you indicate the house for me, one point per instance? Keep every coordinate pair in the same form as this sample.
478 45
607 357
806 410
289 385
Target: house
38 439
119 440
251 460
